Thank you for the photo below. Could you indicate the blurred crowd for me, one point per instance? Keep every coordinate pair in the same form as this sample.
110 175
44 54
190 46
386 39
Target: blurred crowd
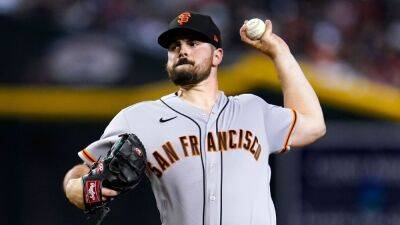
113 42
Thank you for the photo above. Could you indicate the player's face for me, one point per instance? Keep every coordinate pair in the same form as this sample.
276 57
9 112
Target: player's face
189 61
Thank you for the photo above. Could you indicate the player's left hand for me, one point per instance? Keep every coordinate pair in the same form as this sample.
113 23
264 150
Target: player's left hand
269 44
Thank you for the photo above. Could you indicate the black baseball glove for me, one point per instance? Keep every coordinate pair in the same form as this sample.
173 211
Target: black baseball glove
121 170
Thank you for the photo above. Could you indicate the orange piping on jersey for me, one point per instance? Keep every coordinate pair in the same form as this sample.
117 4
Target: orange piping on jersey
87 155
285 146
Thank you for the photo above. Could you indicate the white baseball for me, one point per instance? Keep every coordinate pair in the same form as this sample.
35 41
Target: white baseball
255 28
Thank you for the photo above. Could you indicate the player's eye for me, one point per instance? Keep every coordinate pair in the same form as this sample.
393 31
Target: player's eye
173 46
193 43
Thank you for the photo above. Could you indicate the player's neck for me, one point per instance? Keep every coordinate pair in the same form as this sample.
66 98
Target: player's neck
203 95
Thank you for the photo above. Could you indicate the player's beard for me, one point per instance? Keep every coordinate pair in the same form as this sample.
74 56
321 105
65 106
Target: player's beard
189 75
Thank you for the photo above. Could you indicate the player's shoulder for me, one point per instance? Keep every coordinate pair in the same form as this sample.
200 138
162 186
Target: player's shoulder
145 109
248 99
142 107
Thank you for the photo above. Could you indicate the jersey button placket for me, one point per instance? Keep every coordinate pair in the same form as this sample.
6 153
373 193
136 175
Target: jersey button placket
205 116
212 178
212 198
212 167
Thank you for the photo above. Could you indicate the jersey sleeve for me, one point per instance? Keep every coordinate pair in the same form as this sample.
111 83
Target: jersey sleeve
99 148
279 123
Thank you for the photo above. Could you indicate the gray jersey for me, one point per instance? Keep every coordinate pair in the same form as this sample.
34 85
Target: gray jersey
206 169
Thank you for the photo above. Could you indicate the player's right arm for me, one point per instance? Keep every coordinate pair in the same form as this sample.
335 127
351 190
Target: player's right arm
73 186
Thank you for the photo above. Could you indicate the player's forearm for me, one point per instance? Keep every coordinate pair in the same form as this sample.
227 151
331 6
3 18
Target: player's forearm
76 172
297 92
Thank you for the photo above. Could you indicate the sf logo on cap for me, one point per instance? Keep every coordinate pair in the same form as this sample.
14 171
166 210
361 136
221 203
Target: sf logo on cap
183 18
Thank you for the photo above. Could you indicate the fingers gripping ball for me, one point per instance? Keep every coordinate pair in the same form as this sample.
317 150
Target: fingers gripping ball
255 28
121 170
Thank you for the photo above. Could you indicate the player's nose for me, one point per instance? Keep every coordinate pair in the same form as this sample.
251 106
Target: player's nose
184 50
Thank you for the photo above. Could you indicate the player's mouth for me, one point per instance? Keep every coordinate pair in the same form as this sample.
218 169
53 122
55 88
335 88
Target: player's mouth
182 65
183 61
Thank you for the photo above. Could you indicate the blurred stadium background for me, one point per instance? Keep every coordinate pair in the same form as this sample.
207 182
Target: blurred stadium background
68 66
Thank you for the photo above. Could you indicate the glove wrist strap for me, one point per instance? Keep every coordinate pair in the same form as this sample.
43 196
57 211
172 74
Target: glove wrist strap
92 195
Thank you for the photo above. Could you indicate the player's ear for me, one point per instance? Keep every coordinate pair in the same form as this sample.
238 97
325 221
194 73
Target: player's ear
218 54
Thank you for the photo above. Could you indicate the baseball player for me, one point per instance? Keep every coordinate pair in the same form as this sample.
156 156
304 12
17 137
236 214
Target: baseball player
207 153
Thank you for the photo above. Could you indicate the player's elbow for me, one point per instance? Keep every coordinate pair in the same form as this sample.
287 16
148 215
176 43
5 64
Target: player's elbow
321 131
318 130
307 134
312 135
308 129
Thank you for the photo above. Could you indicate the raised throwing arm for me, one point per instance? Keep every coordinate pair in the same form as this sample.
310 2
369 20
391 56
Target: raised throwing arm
297 92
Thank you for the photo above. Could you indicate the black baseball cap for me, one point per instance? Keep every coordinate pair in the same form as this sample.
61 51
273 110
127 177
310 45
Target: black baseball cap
201 26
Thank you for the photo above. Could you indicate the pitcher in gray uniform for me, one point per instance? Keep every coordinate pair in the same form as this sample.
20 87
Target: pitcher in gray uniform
207 152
